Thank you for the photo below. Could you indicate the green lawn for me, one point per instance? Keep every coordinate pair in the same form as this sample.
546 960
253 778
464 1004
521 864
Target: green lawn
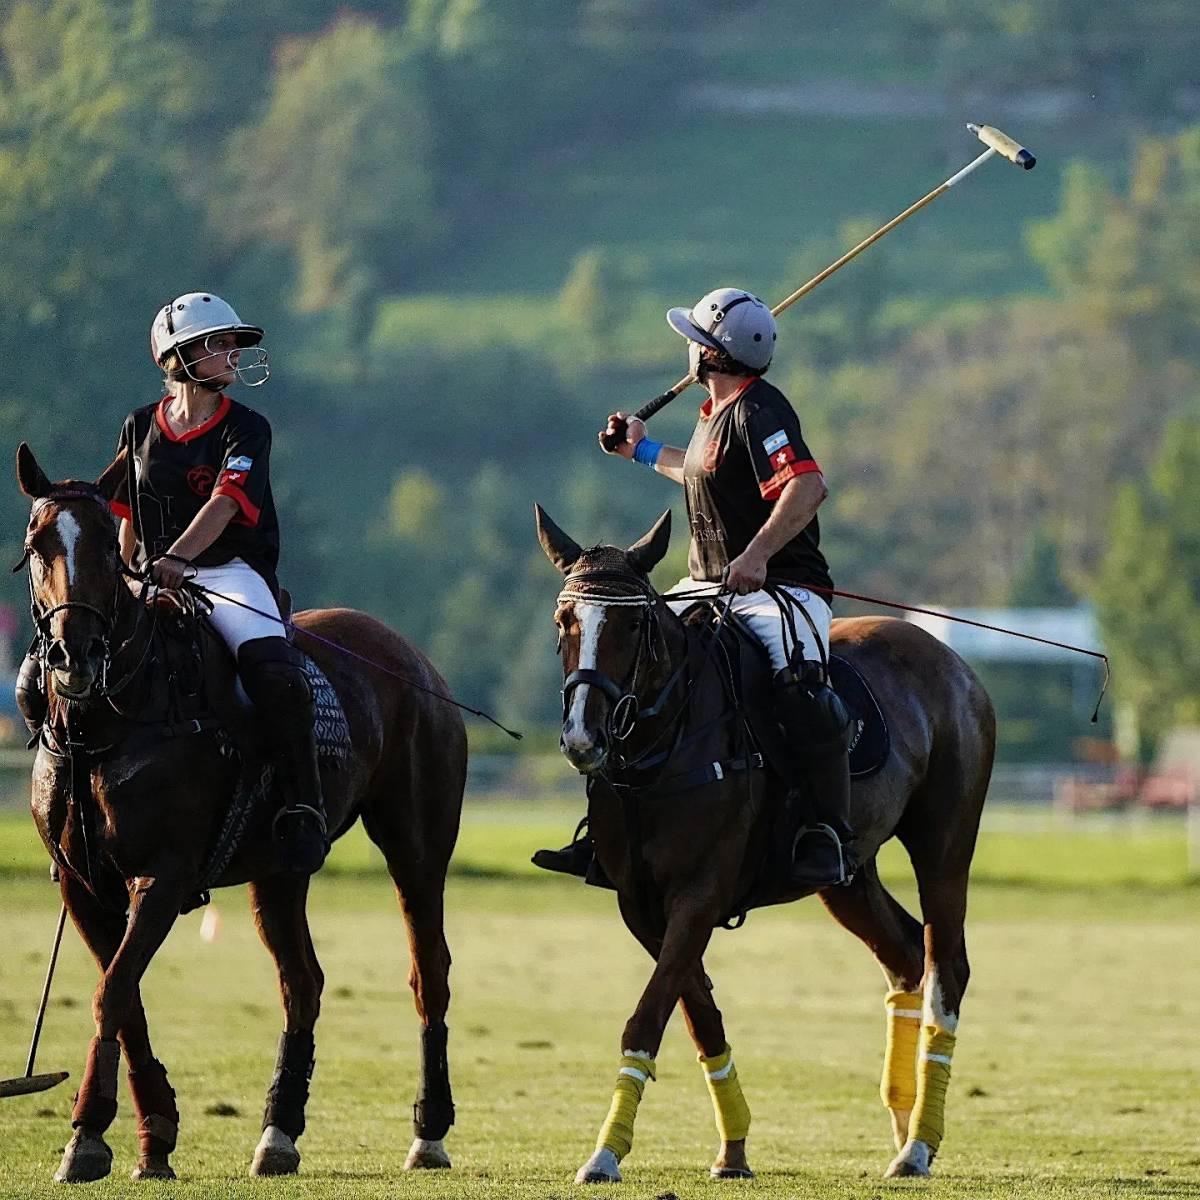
1077 1074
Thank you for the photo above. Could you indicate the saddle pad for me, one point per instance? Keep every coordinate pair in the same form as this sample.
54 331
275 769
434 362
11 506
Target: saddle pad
331 727
870 740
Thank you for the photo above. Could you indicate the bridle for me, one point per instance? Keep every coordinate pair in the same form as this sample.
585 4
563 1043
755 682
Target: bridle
624 709
42 617
625 712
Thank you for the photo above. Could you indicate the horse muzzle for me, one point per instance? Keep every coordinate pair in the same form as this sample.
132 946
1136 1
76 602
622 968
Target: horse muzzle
74 676
586 750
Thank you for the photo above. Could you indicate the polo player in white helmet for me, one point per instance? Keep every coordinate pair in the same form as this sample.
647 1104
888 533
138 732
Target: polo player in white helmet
753 489
196 504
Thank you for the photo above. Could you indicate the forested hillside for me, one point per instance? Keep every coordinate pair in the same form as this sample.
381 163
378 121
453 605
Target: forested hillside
461 222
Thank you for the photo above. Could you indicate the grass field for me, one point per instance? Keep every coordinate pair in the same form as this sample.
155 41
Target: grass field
1077 1073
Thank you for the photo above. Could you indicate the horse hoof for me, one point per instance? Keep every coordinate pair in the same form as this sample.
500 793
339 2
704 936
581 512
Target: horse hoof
149 1168
912 1162
276 1154
600 1168
85 1159
731 1172
427 1156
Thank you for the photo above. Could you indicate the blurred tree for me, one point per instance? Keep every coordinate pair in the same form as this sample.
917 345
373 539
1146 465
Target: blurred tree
338 168
1148 592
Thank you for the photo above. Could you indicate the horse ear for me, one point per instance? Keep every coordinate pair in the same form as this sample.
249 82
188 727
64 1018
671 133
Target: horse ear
561 550
30 476
113 475
646 554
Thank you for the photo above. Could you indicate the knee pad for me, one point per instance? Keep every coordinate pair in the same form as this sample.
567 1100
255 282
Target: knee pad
31 693
815 717
274 676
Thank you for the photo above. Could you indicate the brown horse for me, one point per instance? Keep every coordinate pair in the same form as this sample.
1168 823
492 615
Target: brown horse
683 821
130 787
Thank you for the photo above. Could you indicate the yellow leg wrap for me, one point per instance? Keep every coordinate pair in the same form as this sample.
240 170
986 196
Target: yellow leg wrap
898 1087
729 1105
616 1134
933 1078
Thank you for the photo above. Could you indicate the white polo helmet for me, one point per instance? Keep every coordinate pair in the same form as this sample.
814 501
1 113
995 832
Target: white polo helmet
197 316
730 320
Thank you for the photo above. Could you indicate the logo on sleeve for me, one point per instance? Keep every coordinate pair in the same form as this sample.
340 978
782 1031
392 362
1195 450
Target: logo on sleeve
775 441
239 462
781 458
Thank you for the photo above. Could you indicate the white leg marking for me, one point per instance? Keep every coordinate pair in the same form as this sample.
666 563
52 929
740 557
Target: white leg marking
427 1155
600 1168
68 531
591 617
276 1154
913 1160
936 1012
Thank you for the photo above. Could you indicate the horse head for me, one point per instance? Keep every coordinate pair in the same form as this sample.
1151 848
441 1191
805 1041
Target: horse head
608 636
75 579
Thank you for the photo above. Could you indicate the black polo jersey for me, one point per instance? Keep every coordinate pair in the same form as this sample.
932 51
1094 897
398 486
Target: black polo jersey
737 463
170 477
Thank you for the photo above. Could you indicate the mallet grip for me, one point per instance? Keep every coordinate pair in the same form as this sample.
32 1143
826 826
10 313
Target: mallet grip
610 441
999 141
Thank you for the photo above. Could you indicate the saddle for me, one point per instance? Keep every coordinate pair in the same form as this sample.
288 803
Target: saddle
750 669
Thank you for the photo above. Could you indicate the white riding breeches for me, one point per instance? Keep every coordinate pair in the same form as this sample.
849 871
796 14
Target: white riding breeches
240 581
761 615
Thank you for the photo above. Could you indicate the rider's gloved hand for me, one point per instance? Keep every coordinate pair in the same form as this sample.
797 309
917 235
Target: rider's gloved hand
169 571
635 430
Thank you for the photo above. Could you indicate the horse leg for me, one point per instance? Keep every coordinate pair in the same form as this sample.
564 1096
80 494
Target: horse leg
730 1109
688 930
944 907
124 954
278 905
422 902
872 914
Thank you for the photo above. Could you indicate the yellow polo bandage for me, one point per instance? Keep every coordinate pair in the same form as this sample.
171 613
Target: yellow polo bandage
898 1087
933 1078
616 1134
729 1105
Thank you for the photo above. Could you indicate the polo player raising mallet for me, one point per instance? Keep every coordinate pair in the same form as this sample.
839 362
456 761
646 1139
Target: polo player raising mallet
753 488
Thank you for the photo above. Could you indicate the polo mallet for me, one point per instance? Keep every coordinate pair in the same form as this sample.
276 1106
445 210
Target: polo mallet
29 1082
996 142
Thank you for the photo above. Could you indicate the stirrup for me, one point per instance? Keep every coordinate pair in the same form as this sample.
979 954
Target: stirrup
845 870
296 810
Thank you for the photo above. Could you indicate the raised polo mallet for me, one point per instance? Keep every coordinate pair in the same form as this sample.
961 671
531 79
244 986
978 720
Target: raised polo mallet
996 142
29 1082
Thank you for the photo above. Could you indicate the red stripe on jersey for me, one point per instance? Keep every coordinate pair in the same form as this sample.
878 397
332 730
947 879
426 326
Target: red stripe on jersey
121 510
160 415
774 486
249 513
706 409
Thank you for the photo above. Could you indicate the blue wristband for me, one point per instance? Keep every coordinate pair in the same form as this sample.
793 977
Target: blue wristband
646 452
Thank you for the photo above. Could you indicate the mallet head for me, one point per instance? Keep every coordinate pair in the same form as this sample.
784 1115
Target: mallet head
1003 144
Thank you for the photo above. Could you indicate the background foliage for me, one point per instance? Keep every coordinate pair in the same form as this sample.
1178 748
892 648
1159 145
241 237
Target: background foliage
461 221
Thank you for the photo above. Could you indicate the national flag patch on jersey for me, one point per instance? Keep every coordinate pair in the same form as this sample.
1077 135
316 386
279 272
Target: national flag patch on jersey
781 458
774 442
239 462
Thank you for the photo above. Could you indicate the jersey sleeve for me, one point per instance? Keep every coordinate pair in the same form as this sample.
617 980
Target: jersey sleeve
776 446
245 471
122 503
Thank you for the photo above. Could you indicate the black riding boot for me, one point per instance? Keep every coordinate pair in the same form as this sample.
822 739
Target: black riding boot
572 859
273 674
31 692
817 724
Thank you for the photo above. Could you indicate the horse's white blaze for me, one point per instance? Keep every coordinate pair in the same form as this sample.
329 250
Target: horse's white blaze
936 1012
591 620
69 530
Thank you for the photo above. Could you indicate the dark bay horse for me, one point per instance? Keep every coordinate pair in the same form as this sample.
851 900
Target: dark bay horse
683 842
129 796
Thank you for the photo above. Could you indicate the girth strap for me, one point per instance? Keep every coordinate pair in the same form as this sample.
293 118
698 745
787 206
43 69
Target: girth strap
709 773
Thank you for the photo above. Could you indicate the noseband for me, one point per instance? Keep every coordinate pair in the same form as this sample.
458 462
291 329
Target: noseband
624 707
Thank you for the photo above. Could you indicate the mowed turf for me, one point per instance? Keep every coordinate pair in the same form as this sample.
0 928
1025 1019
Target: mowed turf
1077 1071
